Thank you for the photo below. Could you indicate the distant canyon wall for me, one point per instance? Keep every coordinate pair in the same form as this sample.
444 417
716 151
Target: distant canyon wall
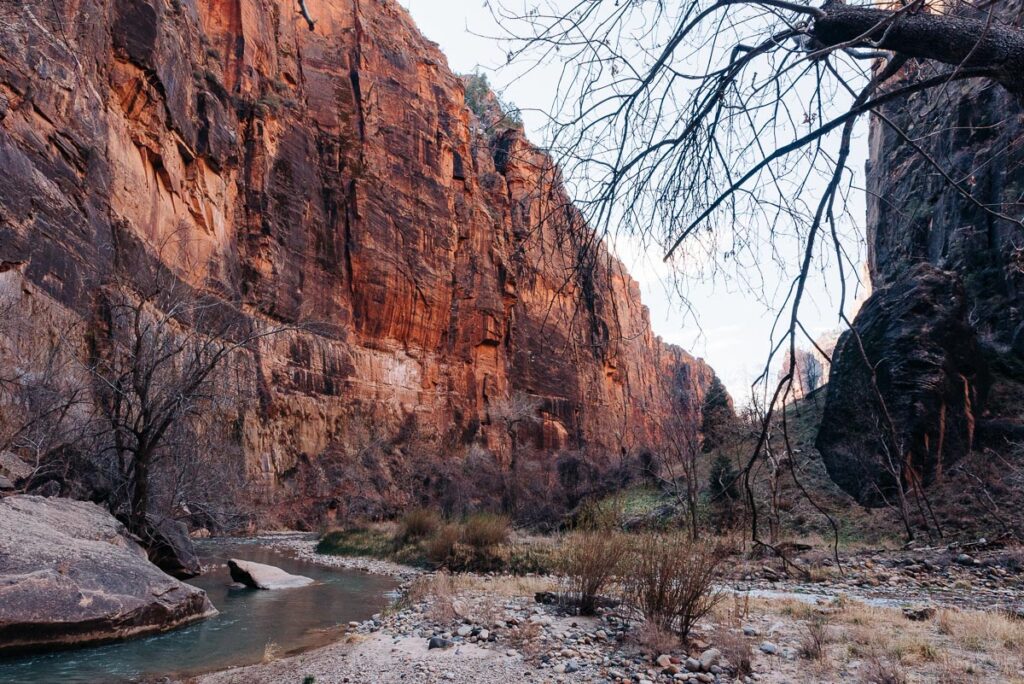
332 179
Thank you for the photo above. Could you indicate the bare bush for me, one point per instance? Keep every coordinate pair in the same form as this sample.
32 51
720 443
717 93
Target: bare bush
815 639
590 560
671 580
879 670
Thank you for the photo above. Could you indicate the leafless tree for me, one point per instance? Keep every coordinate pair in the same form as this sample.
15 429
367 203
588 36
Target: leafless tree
154 366
44 401
807 370
677 467
720 130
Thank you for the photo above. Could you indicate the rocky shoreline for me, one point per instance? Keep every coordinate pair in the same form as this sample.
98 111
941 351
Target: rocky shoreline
487 628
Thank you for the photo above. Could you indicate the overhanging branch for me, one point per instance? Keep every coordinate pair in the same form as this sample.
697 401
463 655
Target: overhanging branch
949 39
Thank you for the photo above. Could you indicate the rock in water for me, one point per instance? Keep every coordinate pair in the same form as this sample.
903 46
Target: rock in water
70 574
170 547
260 576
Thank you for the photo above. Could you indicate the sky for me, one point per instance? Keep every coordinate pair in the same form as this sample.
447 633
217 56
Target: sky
725 323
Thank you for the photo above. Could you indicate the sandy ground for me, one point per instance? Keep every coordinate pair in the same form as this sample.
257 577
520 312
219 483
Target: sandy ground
380 658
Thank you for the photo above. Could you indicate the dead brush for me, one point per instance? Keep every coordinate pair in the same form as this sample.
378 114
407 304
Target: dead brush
670 580
879 670
590 561
815 638
525 638
727 635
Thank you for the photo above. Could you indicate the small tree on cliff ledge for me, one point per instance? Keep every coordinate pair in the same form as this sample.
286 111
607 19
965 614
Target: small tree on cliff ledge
719 131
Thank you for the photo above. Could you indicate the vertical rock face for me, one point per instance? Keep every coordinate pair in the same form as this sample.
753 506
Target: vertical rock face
333 178
945 326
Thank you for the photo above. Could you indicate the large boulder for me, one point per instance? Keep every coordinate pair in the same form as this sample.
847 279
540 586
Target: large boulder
13 468
260 576
70 574
931 376
170 547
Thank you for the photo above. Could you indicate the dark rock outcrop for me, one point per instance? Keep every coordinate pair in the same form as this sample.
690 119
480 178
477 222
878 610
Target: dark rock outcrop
946 323
70 574
926 366
170 547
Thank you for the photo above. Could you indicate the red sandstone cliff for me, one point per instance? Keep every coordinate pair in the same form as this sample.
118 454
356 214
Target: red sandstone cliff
332 176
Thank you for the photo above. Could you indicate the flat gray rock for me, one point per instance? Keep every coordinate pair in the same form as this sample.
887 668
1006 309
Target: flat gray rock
260 576
70 574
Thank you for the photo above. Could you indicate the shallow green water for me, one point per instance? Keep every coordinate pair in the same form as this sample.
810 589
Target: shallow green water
249 621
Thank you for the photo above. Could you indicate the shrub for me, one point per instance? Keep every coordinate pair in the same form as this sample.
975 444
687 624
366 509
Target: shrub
590 561
880 670
670 580
356 541
417 524
812 646
441 545
655 640
602 514
485 530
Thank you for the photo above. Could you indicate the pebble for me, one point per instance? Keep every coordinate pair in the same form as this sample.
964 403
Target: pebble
769 648
709 658
439 642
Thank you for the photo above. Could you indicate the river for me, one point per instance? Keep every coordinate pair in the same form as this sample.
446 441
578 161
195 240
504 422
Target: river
251 624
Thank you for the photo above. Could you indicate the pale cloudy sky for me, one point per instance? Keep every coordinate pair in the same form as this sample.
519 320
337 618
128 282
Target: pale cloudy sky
727 326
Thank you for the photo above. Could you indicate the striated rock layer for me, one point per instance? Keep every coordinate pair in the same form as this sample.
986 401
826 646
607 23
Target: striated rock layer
333 178
945 326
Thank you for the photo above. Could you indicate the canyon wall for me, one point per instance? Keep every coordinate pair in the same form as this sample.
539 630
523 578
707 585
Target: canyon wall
330 179
944 328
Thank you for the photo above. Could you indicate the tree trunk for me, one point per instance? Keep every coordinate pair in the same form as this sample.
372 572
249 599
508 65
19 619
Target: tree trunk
140 493
948 39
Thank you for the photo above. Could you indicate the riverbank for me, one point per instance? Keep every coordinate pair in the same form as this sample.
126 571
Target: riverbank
491 628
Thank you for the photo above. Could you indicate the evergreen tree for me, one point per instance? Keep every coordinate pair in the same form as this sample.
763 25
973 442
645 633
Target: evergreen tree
723 480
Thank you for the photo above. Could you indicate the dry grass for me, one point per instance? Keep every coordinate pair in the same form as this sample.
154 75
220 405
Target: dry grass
982 632
815 639
271 652
525 638
439 591
486 530
880 670
727 633
441 545
508 586
655 640
955 646
417 524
